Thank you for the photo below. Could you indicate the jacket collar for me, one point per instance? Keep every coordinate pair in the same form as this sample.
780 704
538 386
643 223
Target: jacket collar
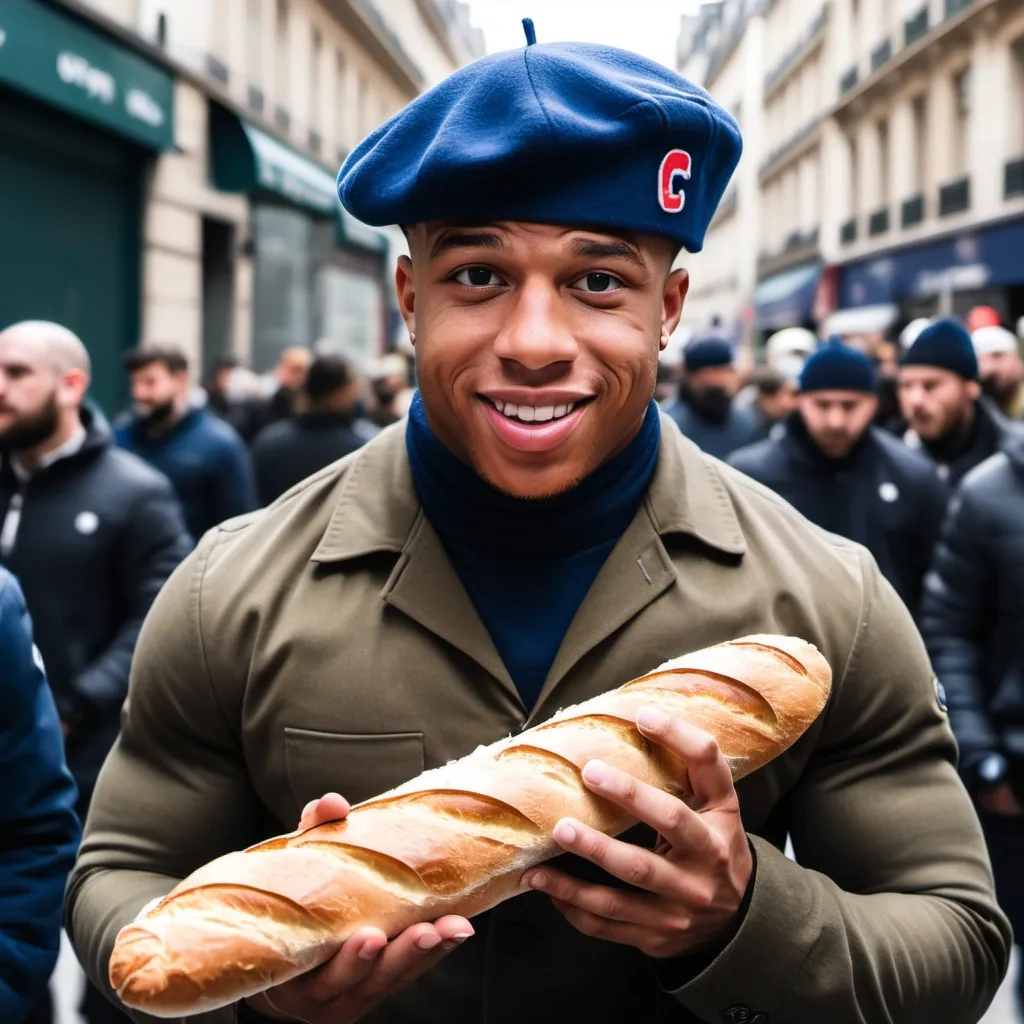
378 505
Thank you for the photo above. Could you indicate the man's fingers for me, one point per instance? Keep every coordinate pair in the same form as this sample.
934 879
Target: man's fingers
671 818
710 778
329 807
600 900
349 965
623 932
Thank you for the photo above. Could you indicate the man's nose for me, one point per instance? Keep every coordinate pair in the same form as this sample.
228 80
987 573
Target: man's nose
536 335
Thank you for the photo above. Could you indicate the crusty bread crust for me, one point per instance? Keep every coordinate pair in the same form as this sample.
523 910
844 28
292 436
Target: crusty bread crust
456 839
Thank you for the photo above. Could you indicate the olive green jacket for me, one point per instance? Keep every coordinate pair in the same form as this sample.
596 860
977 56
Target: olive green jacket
326 643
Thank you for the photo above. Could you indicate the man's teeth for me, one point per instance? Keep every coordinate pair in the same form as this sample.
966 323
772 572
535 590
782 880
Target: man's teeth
533 413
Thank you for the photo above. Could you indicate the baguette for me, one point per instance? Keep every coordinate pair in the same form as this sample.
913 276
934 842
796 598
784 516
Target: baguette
456 839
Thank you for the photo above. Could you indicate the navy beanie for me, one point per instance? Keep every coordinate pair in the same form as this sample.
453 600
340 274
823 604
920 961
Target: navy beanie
837 367
556 133
703 353
946 344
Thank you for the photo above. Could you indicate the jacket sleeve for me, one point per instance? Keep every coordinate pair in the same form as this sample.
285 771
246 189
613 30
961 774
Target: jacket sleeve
38 827
153 543
955 619
235 489
888 916
934 499
174 792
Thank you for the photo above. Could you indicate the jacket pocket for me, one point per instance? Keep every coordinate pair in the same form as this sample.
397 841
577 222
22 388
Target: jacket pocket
356 765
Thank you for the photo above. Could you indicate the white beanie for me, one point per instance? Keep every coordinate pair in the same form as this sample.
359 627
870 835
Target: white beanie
909 333
994 338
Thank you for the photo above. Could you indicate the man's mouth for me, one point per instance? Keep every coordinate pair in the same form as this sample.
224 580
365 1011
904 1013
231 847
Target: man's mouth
534 413
534 428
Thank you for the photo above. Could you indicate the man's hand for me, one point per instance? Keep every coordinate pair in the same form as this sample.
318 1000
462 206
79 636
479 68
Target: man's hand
1000 800
367 968
694 883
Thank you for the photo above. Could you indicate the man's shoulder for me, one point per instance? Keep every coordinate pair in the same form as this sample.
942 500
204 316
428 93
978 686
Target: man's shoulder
274 435
911 462
754 459
130 477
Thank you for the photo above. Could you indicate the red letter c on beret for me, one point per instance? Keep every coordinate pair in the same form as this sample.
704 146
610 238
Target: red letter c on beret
677 161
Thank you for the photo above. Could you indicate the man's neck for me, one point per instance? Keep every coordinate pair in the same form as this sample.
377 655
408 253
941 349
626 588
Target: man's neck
178 413
69 430
956 440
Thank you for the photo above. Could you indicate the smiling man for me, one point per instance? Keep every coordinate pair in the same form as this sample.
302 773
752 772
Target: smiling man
537 533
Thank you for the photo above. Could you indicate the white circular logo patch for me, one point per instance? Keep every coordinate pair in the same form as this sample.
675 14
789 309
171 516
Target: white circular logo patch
87 523
888 492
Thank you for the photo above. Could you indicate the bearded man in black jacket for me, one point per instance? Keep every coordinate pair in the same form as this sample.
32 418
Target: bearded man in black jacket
91 532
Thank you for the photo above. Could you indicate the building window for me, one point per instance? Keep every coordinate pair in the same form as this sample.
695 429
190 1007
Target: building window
919 115
283 40
254 41
961 120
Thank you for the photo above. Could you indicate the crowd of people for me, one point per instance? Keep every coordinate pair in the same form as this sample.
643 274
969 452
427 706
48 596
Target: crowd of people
96 515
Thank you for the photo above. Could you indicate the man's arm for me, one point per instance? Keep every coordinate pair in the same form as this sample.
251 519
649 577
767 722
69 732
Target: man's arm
154 542
38 828
889 917
174 792
956 616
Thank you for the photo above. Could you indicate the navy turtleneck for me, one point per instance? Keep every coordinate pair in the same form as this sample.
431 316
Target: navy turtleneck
527 564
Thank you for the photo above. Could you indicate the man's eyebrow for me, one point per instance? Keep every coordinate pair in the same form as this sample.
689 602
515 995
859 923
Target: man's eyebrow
466 240
592 248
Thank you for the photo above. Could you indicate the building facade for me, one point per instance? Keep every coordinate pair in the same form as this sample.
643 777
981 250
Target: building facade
890 161
176 160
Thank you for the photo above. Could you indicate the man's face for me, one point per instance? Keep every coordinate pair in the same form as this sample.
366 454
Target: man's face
156 390
536 345
934 401
32 393
1001 373
776 407
836 420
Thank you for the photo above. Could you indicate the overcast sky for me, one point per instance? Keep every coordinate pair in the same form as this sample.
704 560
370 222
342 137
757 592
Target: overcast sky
649 27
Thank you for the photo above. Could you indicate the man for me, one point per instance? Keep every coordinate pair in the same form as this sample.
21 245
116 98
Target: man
1001 369
91 532
704 410
289 374
200 454
288 452
38 828
850 477
971 624
388 382
774 400
231 397
940 399
537 534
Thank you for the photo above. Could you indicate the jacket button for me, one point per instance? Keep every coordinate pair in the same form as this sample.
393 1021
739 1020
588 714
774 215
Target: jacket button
516 937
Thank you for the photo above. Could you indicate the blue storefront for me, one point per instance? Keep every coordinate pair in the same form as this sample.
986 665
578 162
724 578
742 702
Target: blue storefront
980 267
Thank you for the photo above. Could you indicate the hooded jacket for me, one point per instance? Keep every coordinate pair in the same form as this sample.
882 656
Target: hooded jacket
971 617
92 537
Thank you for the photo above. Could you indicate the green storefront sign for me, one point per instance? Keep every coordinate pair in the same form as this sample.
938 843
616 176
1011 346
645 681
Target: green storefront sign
54 58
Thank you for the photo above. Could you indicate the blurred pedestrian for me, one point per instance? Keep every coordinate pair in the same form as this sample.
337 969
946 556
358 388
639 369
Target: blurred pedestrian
940 400
1001 368
703 408
38 828
287 452
850 477
787 350
774 399
202 456
289 375
229 395
92 534
972 626
389 381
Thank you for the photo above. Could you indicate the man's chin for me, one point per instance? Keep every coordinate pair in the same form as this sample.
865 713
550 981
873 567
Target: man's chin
515 483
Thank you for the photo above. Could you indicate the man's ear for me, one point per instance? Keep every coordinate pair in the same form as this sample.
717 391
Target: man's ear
974 390
677 284
406 290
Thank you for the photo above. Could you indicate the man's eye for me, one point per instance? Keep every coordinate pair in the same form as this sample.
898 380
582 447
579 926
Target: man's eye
598 282
478 277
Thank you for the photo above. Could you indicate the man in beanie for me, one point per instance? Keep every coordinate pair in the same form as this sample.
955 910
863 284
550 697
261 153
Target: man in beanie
704 409
535 534
940 398
850 477
1001 368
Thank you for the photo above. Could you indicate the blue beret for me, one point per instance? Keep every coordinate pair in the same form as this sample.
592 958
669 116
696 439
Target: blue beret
836 367
703 353
559 133
946 344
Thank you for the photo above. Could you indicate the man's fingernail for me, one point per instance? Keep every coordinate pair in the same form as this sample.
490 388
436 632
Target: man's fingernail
564 832
462 936
652 719
370 949
595 772
449 944
537 880
428 941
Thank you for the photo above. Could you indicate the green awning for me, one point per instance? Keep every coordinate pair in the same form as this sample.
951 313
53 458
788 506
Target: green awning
61 61
247 159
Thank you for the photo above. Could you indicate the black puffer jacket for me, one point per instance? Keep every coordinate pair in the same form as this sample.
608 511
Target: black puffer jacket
972 614
881 495
98 534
